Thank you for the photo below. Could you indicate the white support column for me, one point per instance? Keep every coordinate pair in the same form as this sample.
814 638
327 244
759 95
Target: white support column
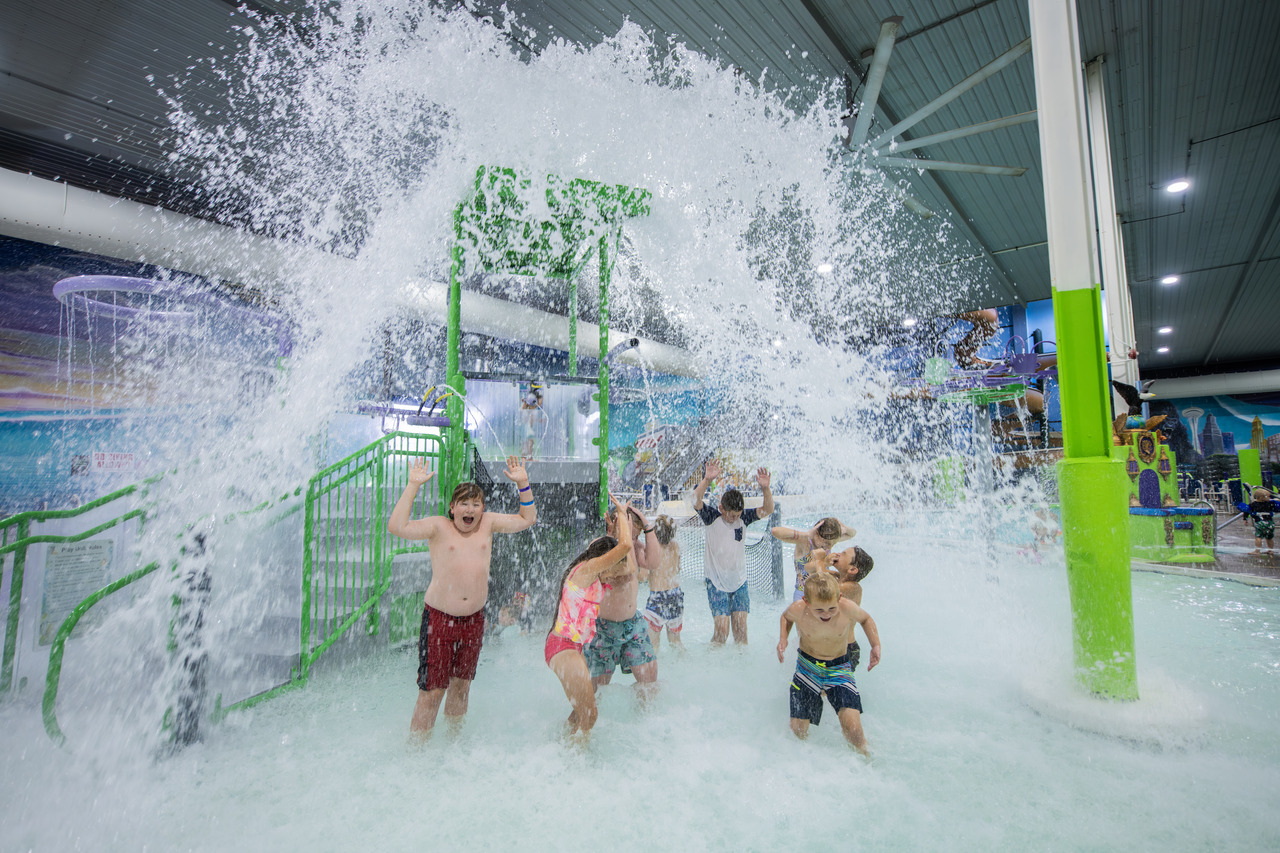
1115 280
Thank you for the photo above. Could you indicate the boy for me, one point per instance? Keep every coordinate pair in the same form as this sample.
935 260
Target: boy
1264 525
850 566
724 558
461 544
665 607
824 620
622 636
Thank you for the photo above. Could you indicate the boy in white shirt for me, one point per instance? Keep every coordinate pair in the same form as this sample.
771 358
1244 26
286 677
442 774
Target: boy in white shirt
724 558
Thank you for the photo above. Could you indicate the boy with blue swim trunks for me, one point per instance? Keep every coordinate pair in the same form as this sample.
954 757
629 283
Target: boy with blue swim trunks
824 620
724 558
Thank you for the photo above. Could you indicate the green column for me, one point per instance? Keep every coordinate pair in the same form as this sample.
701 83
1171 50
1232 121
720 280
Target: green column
1091 484
603 394
455 434
1250 468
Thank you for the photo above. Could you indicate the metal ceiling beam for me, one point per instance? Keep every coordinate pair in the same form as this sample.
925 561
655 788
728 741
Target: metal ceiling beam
1001 280
948 166
993 67
875 77
959 133
1264 239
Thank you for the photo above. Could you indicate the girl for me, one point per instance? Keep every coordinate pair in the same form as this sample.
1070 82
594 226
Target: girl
575 624
824 534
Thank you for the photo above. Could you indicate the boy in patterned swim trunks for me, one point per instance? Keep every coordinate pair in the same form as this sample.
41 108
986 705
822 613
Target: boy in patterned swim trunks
622 637
665 607
824 620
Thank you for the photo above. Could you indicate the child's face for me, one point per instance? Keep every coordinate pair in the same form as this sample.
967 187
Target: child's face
824 610
842 561
730 516
466 514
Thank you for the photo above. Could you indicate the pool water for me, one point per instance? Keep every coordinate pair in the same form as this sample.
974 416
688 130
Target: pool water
961 760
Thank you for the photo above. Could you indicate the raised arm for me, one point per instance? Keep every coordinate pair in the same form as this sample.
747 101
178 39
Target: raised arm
846 532
589 570
787 534
517 474
765 480
648 552
399 524
712 473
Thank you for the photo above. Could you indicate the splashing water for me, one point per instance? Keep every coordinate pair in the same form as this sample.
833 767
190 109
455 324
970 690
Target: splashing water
359 140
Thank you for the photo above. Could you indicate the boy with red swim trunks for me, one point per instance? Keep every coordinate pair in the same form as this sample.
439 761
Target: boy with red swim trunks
461 545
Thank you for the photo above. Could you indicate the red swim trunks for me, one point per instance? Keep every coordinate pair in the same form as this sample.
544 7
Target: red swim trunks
448 647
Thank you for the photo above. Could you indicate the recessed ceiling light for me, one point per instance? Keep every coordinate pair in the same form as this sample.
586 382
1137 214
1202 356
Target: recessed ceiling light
1163 349
826 268
777 342
1180 185
908 321
1169 279
1166 330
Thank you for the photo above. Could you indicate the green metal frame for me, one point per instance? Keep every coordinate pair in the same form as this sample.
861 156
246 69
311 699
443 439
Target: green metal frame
496 232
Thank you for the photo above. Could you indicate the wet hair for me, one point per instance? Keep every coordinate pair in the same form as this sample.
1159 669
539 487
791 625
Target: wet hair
862 563
598 548
821 586
731 501
829 529
664 528
637 523
464 492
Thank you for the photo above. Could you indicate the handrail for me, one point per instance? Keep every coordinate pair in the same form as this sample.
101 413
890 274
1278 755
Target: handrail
54 674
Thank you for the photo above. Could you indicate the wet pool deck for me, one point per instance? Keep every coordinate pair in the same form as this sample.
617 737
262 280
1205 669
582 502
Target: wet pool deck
1234 557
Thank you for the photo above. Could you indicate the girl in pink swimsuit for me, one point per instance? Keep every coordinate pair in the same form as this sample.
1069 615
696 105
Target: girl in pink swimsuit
580 592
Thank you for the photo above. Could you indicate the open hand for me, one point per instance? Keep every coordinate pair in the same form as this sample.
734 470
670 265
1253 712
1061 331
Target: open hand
713 469
420 473
874 659
763 477
516 471
782 651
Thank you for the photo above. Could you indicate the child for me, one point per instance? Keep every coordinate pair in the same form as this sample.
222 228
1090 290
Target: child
1264 525
453 614
824 620
850 566
724 558
665 607
621 636
581 590
824 534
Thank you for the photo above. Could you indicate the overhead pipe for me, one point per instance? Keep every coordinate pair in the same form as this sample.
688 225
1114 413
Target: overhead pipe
949 166
958 133
1216 385
875 77
55 213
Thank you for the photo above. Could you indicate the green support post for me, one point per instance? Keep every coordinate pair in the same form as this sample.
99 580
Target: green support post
1250 468
15 607
603 394
1091 484
456 432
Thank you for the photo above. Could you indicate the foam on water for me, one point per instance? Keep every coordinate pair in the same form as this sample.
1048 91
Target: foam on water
961 761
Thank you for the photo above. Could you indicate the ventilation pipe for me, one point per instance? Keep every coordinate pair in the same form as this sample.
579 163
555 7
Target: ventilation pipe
55 213
1217 384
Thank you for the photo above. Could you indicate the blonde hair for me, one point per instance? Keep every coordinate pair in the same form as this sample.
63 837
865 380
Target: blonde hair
1261 494
821 586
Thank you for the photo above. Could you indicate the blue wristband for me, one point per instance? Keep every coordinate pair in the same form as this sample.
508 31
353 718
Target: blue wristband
522 503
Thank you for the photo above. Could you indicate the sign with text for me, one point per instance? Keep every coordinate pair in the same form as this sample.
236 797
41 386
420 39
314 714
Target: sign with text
101 461
72 572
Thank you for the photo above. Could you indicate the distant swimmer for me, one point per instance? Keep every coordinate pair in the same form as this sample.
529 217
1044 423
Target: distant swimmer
581 590
453 615
824 620
725 554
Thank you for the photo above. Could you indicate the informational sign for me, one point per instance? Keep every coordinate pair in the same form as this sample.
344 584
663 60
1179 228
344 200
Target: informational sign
104 462
72 572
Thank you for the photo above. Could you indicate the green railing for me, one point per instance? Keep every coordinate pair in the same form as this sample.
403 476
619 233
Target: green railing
16 537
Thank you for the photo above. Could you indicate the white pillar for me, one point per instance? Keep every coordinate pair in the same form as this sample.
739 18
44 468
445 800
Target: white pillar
1115 281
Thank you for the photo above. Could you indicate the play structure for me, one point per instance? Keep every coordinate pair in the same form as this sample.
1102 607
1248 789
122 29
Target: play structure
1160 529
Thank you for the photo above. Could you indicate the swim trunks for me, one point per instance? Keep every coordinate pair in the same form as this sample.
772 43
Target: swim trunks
813 678
448 647
1264 528
855 654
614 643
723 603
665 609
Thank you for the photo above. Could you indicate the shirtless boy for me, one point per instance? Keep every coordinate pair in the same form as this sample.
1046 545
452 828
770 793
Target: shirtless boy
850 566
622 635
461 545
665 607
824 620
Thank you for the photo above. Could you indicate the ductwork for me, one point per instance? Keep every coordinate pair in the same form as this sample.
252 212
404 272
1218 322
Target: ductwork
55 213
1217 384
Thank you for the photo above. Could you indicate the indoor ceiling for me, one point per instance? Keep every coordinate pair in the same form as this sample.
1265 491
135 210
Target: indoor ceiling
1190 84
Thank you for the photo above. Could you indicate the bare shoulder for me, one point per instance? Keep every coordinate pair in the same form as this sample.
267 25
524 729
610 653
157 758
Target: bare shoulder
794 610
851 609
